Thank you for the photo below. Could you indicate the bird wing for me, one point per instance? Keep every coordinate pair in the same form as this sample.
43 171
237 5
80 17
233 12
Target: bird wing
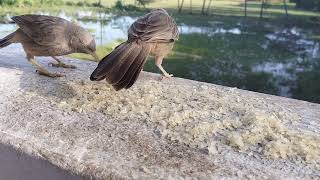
156 26
43 30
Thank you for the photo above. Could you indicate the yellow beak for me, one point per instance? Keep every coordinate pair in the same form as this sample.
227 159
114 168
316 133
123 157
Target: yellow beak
95 56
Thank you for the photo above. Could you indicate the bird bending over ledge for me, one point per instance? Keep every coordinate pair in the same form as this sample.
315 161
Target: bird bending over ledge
154 34
50 36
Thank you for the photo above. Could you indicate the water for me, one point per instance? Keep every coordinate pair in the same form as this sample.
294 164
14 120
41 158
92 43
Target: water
281 73
284 75
210 31
295 41
307 56
116 27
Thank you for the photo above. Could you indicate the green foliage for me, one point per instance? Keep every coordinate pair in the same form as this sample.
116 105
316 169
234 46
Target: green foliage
144 2
119 5
308 83
8 2
308 4
27 2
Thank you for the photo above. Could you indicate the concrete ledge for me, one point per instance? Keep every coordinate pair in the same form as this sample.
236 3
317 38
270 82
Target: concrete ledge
173 129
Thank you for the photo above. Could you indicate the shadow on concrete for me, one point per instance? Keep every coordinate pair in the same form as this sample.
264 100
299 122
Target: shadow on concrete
47 87
15 165
14 58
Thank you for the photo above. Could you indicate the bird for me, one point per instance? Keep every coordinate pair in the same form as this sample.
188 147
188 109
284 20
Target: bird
153 34
42 35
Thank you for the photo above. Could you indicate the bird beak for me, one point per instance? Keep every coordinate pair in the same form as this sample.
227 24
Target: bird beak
95 56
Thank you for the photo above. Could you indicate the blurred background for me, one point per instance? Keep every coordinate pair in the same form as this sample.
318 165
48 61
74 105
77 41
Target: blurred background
268 46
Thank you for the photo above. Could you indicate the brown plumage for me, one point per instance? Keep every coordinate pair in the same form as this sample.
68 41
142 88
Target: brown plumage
154 34
50 36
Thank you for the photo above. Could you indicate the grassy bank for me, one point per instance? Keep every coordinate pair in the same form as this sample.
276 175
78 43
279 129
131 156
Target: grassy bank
101 51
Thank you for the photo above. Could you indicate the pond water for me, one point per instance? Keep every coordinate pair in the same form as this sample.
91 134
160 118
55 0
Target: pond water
116 27
281 76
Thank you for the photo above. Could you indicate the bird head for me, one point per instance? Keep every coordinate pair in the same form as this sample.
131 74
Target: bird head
83 42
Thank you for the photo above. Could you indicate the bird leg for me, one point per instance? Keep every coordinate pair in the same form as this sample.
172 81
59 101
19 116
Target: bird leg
61 64
41 70
159 65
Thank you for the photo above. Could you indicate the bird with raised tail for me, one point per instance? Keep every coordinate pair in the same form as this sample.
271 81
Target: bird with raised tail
153 34
50 36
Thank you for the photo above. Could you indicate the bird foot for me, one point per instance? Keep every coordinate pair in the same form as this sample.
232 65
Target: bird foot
63 65
166 76
49 74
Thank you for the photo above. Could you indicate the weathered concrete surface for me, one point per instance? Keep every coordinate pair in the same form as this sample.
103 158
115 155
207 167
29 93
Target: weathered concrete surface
174 129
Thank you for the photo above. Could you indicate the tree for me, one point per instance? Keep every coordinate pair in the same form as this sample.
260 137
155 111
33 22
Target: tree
261 9
209 5
245 8
285 7
180 6
203 6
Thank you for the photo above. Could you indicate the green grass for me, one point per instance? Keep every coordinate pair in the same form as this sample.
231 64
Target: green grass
316 37
101 51
221 59
308 83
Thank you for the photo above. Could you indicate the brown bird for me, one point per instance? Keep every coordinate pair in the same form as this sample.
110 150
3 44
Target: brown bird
50 36
154 34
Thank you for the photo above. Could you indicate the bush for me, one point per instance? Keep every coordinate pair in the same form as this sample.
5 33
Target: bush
307 4
8 2
119 5
70 3
52 2
129 7
144 2
17 2
26 2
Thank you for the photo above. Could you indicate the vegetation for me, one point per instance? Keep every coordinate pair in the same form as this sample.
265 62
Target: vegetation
308 84
144 2
101 51
215 61
251 8
310 4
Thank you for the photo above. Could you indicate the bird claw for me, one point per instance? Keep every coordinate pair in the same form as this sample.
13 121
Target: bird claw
166 76
48 74
62 65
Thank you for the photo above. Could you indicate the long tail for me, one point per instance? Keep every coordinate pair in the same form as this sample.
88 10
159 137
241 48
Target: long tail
6 41
123 65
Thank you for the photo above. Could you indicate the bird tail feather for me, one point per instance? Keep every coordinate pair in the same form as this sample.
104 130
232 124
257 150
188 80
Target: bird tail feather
6 41
123 65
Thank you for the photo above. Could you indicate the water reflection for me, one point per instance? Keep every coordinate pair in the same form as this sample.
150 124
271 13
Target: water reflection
210 31
295 41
